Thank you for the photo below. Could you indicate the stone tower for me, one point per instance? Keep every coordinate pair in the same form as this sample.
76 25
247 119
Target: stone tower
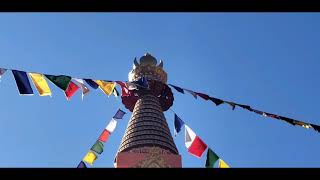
147 141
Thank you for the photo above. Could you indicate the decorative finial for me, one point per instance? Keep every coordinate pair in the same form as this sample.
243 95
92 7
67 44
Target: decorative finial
148 59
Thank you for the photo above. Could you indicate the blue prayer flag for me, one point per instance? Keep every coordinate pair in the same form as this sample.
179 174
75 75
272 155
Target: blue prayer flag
178 123
82 165
91 83
177 88
23 83
119 114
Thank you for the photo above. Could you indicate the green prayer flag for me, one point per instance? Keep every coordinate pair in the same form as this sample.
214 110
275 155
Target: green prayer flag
61 81
97 147
212 158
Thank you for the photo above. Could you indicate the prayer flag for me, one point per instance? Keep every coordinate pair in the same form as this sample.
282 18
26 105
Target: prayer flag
222 164
193 143
104 135
192 93
111 126
90 157
97 147
212 158
106 87
124 89
119 114
61 81
82 165
216 101
91 83
71 90
177 88
41 84
22 82
178 123
203 96
84 88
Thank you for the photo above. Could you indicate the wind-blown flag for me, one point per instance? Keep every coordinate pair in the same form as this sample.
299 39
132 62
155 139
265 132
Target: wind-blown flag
2 71
115 92
212 158
22 82
216 101
112 125
91 83
90 157
222 164
41 84
84 88
104 135
82 165
192 93
245 107
177 88
193 143
61 81
119 114
203 96
315 127
124 89
97 147
71 90
178 123
106 87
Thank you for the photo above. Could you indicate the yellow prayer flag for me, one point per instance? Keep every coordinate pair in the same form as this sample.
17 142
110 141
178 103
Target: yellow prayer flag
106 87
90 157
41 84
222 164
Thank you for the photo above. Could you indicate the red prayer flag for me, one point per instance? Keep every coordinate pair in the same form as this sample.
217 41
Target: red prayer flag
104 135
124 89
71 90
197 147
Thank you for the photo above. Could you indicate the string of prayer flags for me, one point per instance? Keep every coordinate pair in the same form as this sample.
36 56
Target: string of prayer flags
247 107
91 83
2 71
41 84
90 157
84 88
71 90
178 123
97 147
61 81
82 165
212 158
119 114
177 88
193 143
106 87
223 164
22 82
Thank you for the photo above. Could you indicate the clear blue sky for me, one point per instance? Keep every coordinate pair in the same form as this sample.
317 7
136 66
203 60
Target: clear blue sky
269 61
